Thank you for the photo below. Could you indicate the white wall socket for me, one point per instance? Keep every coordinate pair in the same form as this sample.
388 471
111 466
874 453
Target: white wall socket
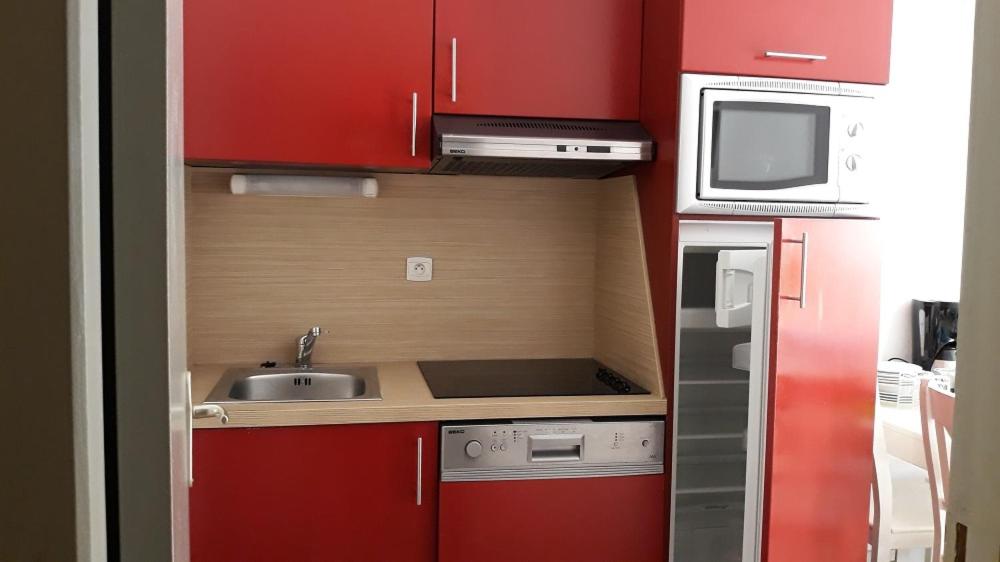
419 269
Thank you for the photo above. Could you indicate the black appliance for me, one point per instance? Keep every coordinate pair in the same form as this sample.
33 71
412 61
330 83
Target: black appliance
491 378
935 332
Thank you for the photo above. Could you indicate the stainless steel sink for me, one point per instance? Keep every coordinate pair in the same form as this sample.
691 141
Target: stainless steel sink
317 383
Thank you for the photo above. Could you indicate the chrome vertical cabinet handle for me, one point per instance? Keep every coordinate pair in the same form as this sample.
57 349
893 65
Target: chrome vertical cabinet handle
803 271
190 429
420 470
793 56
413 128
454 69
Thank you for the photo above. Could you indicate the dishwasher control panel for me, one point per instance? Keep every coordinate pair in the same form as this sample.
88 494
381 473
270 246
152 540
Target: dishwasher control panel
551 448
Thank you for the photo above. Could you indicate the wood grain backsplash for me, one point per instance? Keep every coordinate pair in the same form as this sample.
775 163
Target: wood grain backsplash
515 272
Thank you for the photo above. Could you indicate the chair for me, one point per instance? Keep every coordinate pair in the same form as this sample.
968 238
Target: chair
901 517
937 416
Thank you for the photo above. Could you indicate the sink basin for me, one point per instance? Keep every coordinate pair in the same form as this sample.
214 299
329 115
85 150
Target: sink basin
318 383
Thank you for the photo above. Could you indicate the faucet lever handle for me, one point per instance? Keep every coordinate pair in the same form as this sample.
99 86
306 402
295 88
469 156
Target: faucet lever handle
303 358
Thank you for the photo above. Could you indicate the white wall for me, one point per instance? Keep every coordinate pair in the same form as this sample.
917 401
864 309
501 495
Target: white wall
925 124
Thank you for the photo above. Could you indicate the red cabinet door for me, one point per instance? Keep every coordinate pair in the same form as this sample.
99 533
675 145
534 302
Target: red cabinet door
318 493
327 82
538 58
732 37
821 390
561 520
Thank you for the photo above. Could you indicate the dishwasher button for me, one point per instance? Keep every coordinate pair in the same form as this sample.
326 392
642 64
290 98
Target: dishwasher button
503 446
473 449
494 447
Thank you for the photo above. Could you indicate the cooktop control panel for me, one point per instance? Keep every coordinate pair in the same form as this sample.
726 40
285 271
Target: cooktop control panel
551 448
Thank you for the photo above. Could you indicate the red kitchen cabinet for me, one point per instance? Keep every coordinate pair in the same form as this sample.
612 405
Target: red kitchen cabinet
558 520
530 58
822 390
352 493
308 82
733 37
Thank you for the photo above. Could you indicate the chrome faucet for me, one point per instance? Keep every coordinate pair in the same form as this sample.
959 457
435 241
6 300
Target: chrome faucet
303 359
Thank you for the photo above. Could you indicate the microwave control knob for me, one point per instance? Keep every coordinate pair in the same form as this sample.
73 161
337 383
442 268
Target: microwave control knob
473 448
852 162
855 129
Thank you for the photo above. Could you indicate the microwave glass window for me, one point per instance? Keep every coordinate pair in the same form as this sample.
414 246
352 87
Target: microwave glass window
758 146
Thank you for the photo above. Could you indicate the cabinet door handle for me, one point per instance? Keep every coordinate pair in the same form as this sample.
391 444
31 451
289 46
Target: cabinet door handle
803 270
454 69
210 411
197 412
795 56
189 419
413 128
420 470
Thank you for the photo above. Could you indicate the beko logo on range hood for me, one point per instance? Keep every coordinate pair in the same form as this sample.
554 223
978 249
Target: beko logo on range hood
507 146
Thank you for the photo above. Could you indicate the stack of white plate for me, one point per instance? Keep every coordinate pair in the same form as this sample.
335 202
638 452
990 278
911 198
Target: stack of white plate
898 383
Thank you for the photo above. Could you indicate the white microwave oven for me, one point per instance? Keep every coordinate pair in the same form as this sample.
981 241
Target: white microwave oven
767 146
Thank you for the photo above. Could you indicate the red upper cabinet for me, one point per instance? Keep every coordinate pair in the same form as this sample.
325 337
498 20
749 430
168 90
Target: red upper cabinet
733 37
324 82
350 492
822 390
538 58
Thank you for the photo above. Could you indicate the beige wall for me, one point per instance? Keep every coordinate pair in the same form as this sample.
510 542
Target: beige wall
975 485
37 490
523 267
513 271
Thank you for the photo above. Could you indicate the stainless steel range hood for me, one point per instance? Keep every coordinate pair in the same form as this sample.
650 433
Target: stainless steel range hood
507 146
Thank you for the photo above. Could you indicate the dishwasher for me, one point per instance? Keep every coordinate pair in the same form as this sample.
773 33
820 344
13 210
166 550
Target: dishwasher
553 490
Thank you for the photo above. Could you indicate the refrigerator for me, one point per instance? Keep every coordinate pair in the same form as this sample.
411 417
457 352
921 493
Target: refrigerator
773 390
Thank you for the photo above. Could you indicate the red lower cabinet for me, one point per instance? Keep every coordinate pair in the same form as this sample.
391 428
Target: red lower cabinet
350 493
822 390
560 520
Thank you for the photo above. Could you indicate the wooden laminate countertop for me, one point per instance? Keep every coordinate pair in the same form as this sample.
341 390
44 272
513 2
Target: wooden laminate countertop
406 398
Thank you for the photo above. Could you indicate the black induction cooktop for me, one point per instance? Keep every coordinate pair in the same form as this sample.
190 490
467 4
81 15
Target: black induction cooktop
524 377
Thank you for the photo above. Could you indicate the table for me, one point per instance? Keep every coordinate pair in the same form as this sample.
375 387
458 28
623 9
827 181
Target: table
903 437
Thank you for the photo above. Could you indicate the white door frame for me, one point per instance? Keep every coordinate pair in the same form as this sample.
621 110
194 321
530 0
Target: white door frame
83 130
149 278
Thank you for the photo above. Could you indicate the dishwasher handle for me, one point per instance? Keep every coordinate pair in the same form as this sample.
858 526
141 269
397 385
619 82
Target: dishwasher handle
555 448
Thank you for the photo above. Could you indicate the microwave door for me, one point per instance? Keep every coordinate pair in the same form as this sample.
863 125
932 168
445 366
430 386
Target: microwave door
768 146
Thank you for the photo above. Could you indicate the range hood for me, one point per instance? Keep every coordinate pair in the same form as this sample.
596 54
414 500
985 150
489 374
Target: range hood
507 146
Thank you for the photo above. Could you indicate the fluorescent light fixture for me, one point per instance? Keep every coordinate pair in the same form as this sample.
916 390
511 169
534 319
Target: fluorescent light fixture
303 186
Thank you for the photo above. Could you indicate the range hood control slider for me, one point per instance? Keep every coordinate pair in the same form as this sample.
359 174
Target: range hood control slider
577 148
